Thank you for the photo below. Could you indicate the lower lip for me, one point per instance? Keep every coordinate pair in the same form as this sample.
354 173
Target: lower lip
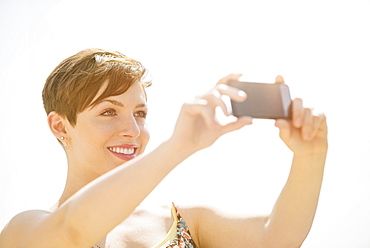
122 156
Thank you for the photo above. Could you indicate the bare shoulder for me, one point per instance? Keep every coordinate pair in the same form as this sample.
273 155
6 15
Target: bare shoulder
214 227
17 228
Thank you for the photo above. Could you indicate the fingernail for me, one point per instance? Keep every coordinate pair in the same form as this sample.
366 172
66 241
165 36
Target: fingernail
242 93
247 119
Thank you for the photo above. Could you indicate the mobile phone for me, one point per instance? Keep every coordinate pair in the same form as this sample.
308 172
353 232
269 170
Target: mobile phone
264 100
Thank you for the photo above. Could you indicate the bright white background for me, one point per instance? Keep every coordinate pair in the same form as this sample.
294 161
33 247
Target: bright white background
321 48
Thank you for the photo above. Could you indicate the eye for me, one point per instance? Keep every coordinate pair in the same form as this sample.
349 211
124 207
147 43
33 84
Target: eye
140 114
109 112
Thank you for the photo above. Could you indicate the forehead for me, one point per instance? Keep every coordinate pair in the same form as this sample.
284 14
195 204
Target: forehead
135 93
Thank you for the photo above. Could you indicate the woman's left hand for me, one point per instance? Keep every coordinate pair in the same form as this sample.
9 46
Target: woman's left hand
306 132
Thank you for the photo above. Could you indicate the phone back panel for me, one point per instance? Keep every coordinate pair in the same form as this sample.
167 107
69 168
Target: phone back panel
269 101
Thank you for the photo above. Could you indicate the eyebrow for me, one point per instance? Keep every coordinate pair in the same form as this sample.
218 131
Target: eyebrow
119 104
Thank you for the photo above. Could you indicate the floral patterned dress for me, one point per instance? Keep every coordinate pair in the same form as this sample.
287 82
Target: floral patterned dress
179 234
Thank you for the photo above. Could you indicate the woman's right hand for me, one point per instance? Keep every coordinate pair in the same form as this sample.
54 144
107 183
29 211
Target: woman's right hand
197 126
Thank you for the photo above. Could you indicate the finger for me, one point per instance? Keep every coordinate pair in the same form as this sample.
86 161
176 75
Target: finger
297 112
234 93
234 76
214 96
239 123
284 127
214 100
279 79
318 119
307 126
200 107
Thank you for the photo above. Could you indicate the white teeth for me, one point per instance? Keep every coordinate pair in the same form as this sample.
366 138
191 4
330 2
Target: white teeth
126 151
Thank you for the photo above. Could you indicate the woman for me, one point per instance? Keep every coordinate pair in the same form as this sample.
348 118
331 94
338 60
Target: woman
96 106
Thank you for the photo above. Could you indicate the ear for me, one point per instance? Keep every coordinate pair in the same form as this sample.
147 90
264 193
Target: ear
57 125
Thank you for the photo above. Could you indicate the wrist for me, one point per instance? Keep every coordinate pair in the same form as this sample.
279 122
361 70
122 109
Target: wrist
177 149
310 158
311 154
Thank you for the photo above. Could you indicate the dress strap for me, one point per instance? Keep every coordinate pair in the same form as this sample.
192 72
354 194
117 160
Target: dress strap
171 235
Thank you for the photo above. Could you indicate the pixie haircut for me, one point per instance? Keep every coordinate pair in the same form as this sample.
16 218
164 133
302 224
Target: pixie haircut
75 82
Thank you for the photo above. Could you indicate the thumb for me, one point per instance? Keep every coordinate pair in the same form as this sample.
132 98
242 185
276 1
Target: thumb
284 127
239 123
279 79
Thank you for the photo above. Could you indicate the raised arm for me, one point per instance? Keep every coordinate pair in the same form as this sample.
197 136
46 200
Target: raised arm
293 213
87 216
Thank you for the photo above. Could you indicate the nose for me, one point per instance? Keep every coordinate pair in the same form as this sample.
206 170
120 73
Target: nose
130 128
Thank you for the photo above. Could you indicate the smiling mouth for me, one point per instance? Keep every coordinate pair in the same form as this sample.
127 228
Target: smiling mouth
120 150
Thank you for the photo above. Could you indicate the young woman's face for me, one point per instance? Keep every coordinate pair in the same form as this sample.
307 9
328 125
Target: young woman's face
110 133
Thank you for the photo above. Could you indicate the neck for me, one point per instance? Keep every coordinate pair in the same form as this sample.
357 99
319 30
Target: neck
76 180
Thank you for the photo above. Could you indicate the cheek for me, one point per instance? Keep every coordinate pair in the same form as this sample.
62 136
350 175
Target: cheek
94 134
145 135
